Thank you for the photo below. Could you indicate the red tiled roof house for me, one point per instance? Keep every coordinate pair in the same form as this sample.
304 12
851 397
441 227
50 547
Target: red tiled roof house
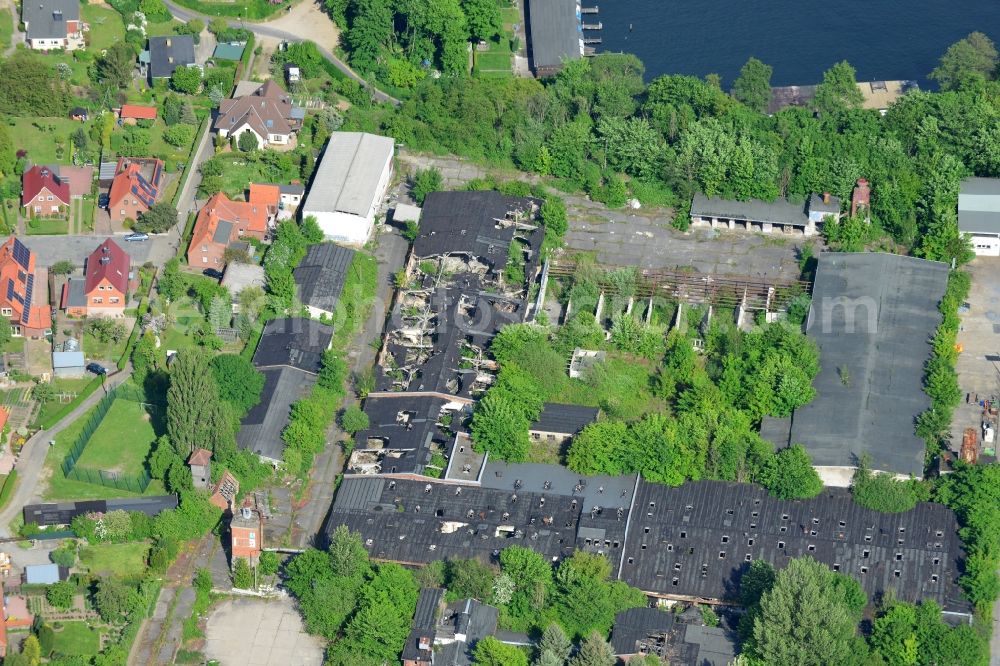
136 187
43 193
105 283
221 222
22 301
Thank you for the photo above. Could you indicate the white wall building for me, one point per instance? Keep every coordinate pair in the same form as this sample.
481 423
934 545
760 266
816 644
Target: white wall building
349 184
979 214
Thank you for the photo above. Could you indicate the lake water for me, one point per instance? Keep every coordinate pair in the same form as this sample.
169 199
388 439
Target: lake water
883 39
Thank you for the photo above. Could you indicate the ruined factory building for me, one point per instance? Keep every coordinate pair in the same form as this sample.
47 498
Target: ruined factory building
691 542
873 316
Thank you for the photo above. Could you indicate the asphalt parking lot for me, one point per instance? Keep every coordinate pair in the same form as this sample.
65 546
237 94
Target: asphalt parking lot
260 632
50 249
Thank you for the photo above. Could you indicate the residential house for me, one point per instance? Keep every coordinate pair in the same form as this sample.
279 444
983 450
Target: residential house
979 214
137 185
320 276
200 463
22 301
129 114
267 113
43 193
289 355
106 280
349 185
246 530
221 223
169 52
52 24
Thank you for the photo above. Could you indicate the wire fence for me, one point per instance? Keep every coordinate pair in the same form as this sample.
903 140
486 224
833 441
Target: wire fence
136 483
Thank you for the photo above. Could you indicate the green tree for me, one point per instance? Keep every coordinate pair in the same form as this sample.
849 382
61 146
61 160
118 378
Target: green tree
117 65
839 90
753 85
500 427
268 563
790 474
594 651
115 601
186 80
154 10
179 135
353 420
424 182
8 156
806 618
239 382
160 217
31 650
30 87
483 17
555 643
60 594
247 142
171 283
468 578
490 651
195 415
63 267
968 61
242 574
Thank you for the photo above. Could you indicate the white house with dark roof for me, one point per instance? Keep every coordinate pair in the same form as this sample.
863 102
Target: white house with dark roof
979 214
52 24
349 185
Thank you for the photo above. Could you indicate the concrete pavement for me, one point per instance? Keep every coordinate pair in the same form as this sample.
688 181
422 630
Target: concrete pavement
31 462
50 249
263 29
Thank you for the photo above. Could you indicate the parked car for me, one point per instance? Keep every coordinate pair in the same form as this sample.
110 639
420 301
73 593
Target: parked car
103 200
97 369
212 273
137 236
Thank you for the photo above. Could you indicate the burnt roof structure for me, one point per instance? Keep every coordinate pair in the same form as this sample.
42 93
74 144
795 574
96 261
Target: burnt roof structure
873 316
640 631
564 419
696 540
420 643
689 542
63 513
295 342
446 635
480 224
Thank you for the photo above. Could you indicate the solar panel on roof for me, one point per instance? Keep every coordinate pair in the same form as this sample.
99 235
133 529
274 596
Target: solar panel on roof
27 299
21 254
10 289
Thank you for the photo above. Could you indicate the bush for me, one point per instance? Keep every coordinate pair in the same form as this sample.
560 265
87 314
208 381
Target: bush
268 563
60 594
179 135
424 182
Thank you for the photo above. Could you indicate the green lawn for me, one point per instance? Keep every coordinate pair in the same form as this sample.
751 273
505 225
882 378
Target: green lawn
161 29
77 638
89 208
6 28
123 440
163 150
68 386
106 27
248 9
47 226
493 60
43 137
115 559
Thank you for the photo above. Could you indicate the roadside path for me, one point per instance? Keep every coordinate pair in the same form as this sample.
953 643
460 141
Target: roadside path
31 462
265 30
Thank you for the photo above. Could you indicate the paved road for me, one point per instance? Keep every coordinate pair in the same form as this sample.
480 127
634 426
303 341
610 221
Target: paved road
263 29
31 462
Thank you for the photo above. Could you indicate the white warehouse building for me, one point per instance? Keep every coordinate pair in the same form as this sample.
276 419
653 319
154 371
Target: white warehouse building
979 214
350 182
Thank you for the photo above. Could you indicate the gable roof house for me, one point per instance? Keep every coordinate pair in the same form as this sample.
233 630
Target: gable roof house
349 184
221 223
43 193
106 280
22 301
267 113
289 355
873 315
320 276
169 52
52 24
979 214
137 185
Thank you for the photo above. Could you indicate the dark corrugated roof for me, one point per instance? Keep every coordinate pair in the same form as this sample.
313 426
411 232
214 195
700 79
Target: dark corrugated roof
564 419
424 624
780 211
62 513
873 316
298 342
320 276
556 33
261 428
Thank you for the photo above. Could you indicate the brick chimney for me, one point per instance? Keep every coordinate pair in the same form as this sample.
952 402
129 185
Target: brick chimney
861 198
826 197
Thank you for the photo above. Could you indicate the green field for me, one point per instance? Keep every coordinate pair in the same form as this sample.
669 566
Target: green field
77 638
47 226
161 29
106 27
42 136
6 28
115 559
107 353
123 440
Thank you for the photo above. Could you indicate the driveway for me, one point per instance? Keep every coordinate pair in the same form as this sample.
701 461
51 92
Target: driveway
50 249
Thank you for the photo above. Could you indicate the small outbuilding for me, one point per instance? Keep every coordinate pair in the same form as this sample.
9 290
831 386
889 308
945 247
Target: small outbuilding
979 214
44 574
68 364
